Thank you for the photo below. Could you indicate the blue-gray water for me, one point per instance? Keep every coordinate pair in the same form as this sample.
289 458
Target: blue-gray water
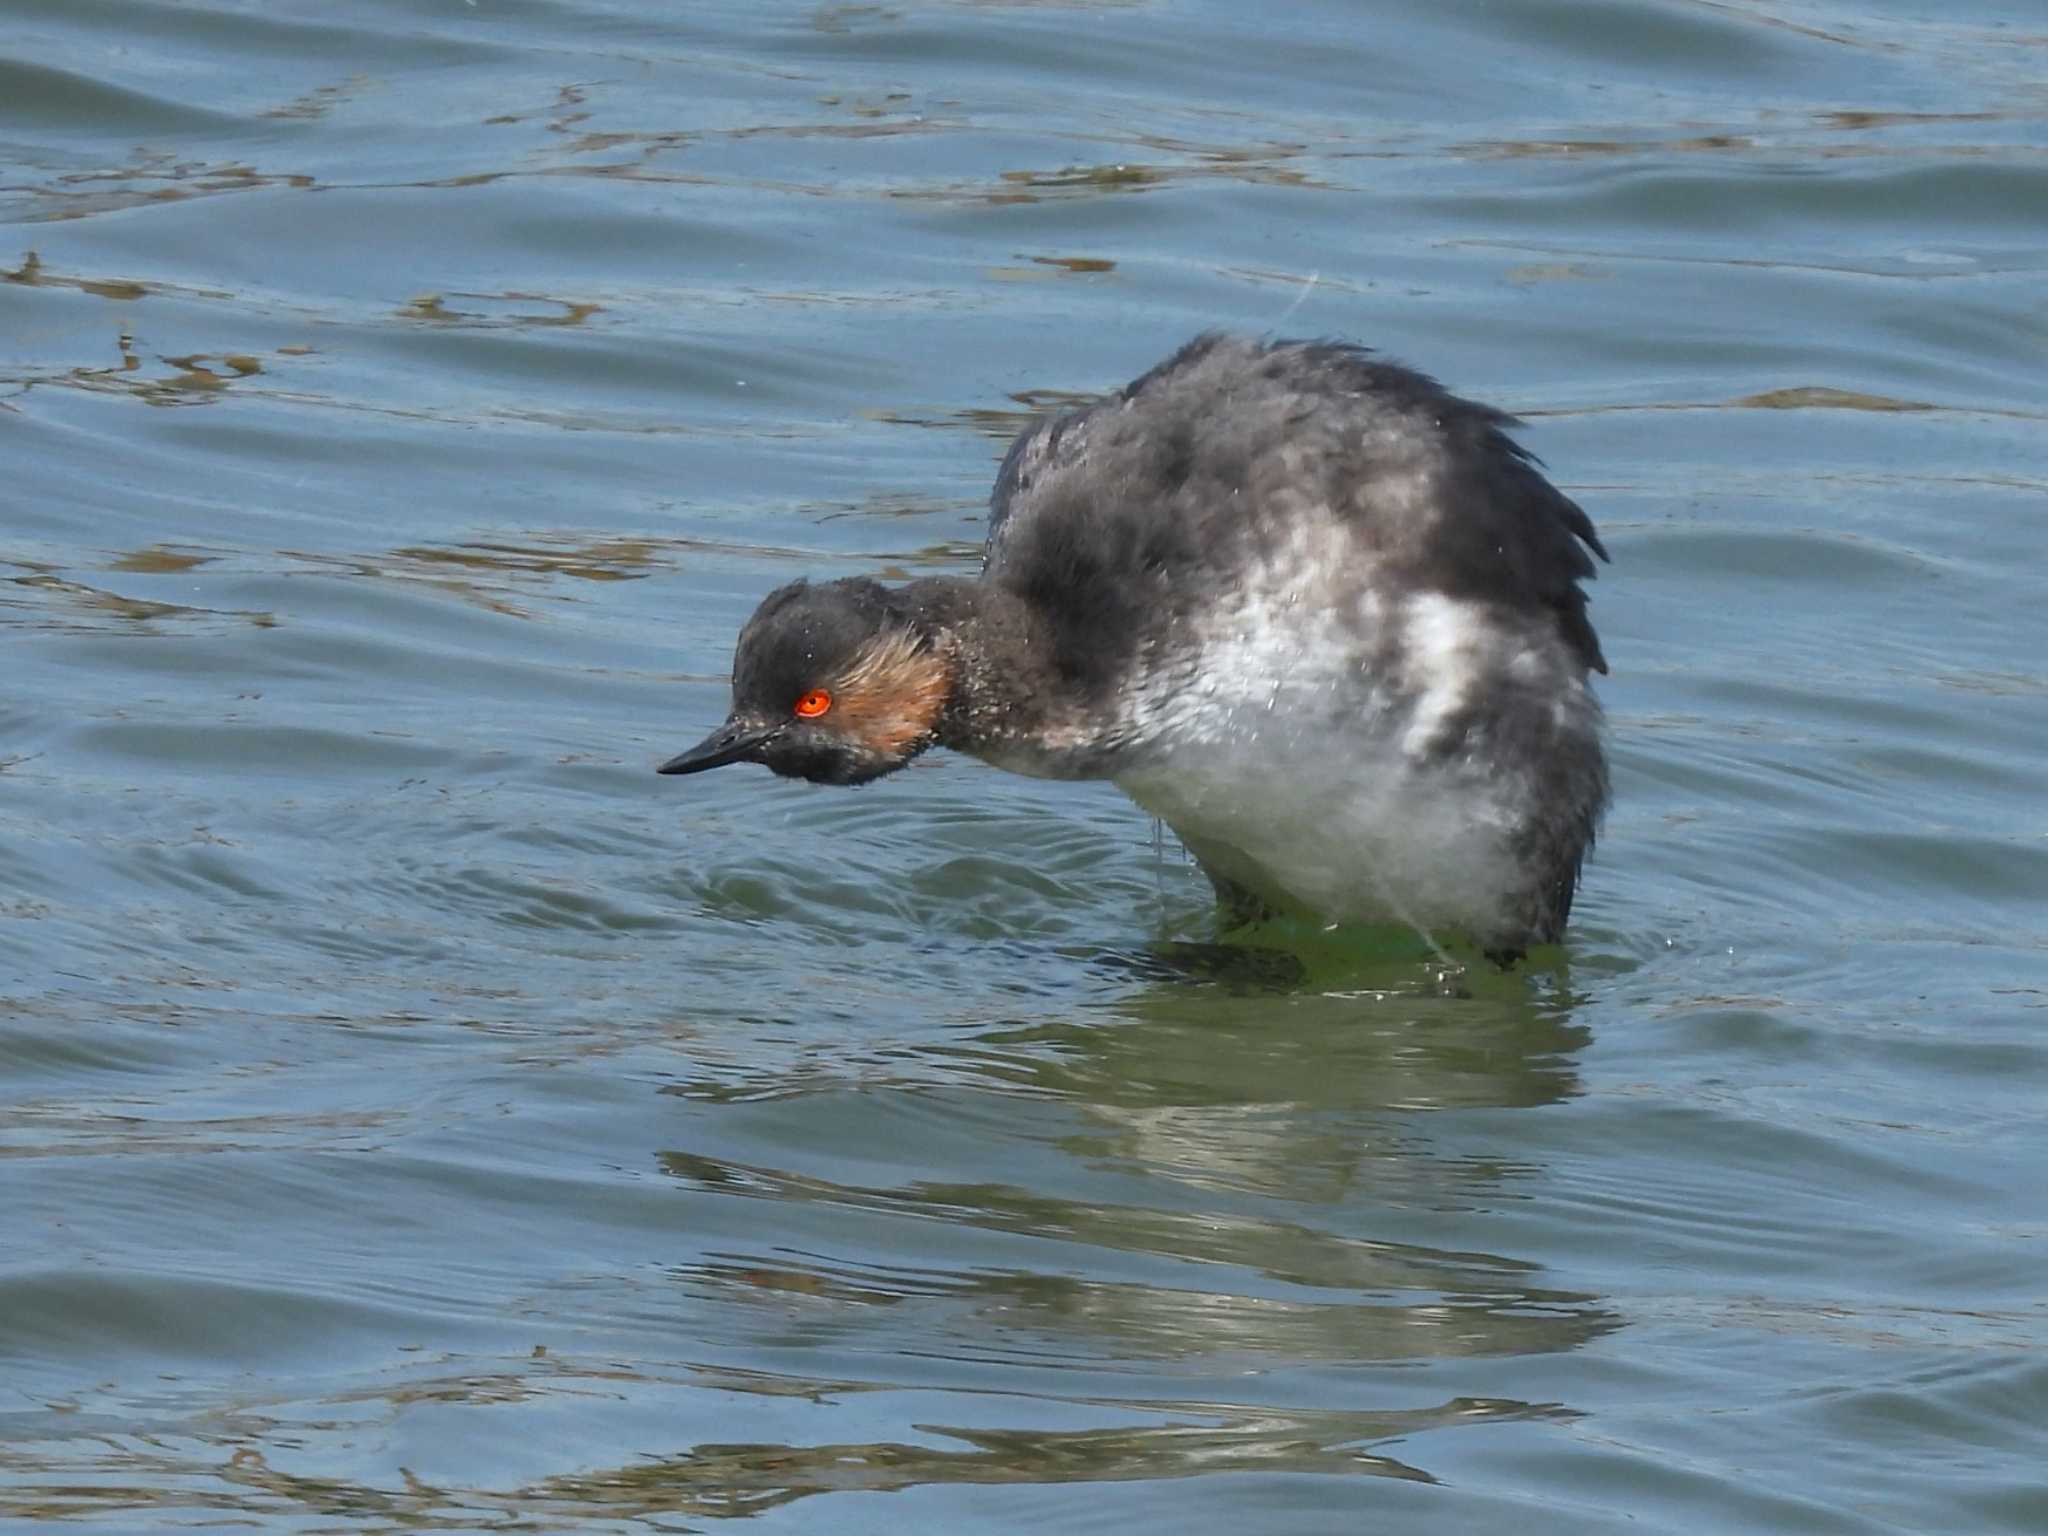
417 1115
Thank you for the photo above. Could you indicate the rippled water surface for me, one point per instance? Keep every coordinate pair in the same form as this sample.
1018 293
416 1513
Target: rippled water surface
417 1115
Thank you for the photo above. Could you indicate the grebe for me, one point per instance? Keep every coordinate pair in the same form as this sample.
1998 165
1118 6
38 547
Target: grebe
1319 615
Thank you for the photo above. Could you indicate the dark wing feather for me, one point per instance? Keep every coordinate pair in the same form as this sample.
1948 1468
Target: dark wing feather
1502 532
1097 510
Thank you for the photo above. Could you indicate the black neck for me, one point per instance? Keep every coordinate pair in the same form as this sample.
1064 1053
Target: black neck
1001 655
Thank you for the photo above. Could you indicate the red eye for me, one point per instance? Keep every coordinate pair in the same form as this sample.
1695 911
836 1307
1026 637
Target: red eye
814 704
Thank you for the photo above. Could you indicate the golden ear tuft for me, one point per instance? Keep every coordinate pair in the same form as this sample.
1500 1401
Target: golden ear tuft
892 694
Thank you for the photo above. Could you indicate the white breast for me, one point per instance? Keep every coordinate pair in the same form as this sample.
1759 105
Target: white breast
1293 745
1349 836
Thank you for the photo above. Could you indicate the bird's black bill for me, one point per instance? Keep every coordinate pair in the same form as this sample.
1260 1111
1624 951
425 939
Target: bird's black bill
736 741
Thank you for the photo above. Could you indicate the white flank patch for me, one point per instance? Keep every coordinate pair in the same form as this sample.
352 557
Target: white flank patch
1446 642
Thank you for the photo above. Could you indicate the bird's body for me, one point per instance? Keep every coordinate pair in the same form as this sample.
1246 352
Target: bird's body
1320 616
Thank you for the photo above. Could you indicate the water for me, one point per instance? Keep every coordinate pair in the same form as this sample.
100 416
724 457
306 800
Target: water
418 1115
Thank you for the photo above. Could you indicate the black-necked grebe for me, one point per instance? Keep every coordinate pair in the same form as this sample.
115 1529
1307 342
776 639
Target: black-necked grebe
1318 614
